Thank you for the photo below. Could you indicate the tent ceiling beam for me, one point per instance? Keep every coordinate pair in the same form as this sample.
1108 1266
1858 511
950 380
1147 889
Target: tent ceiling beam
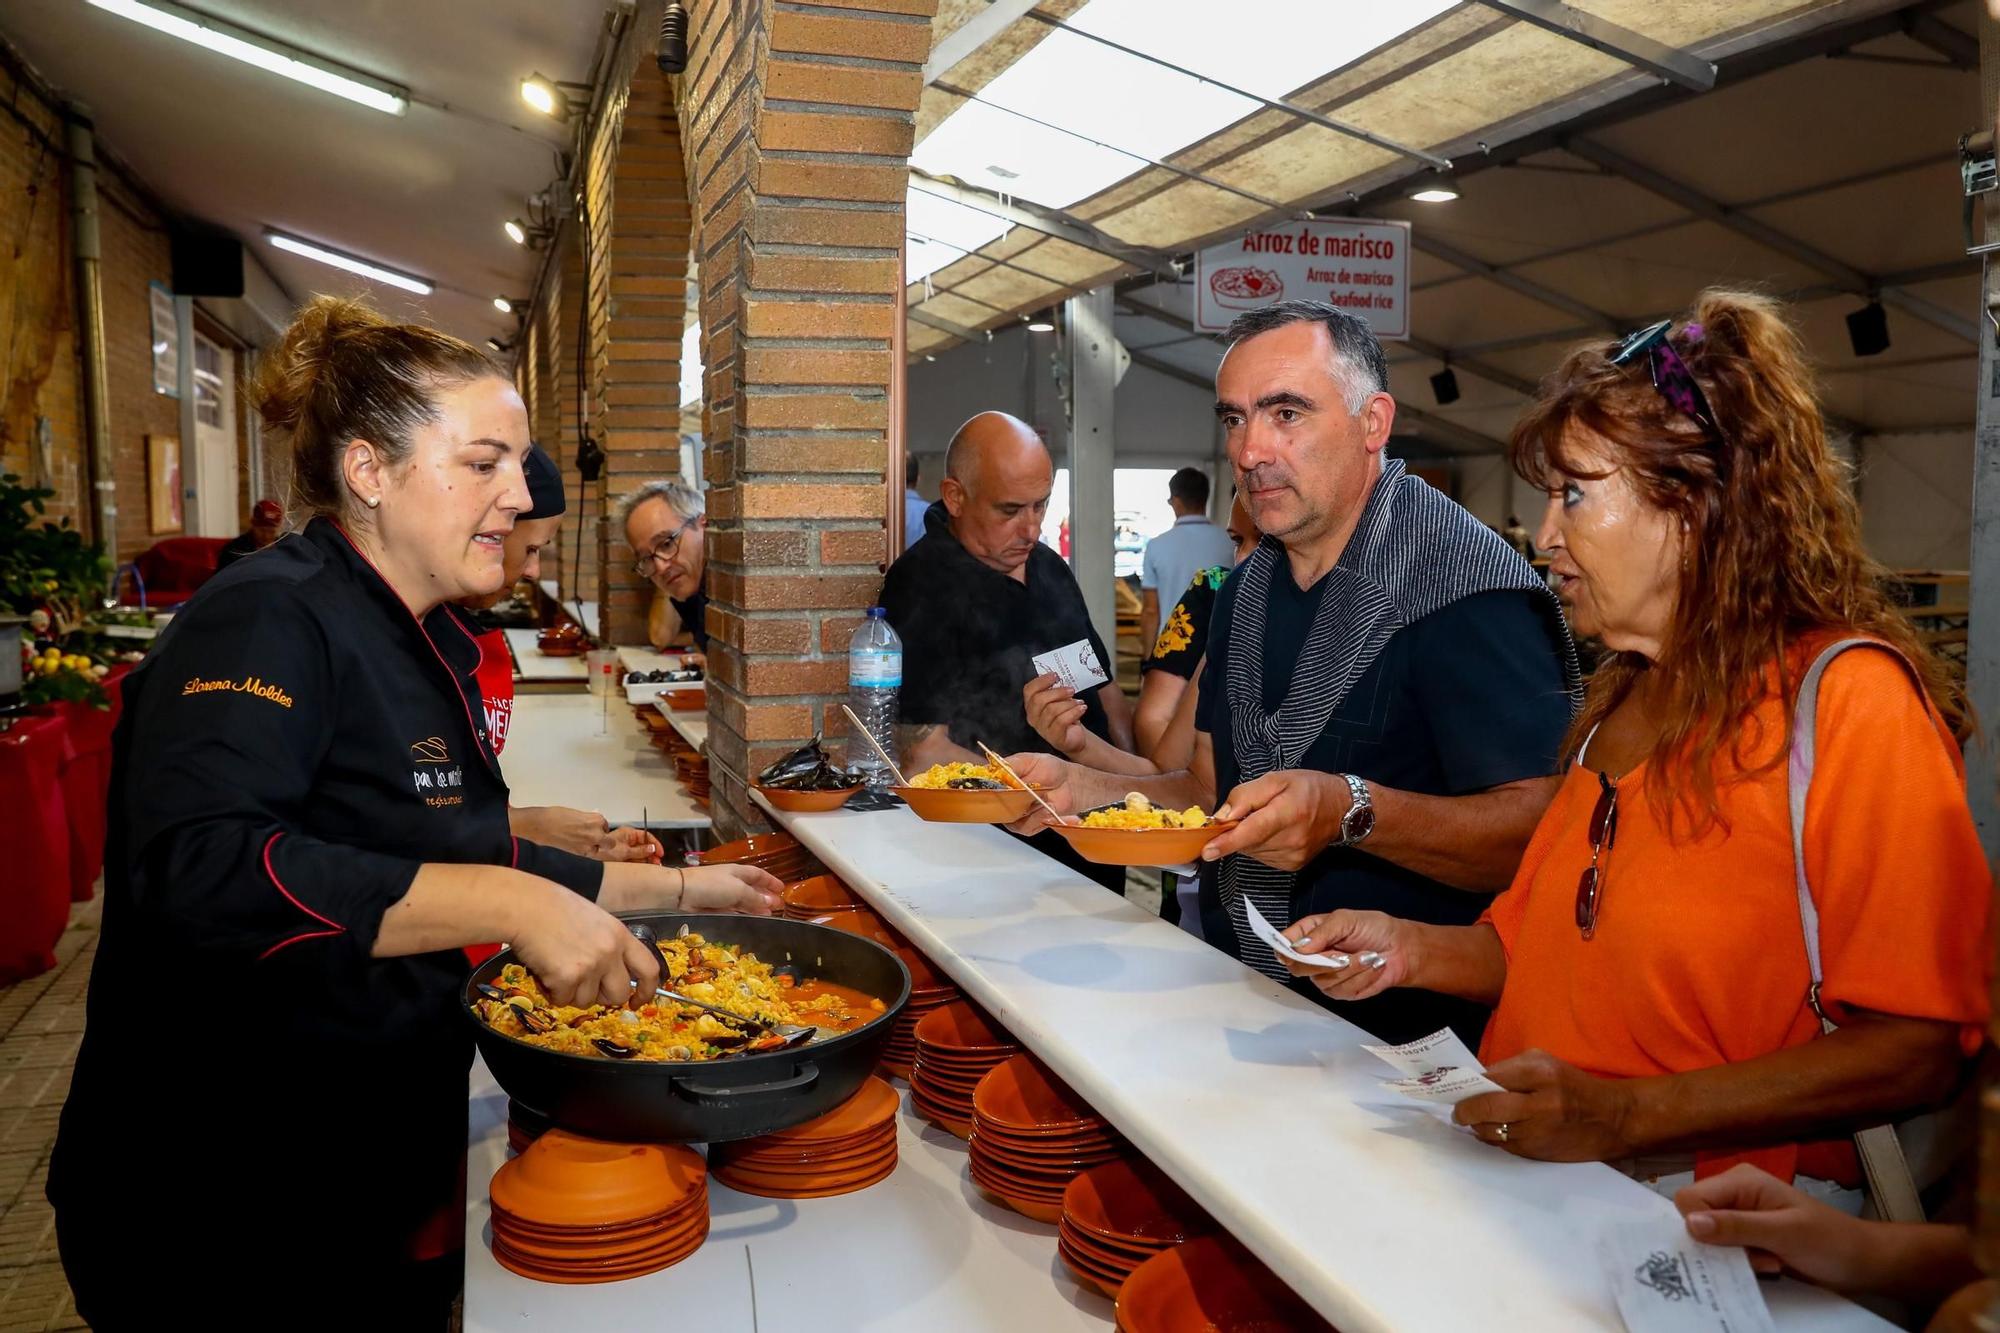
1292 109
1694 201
1620 43
972 34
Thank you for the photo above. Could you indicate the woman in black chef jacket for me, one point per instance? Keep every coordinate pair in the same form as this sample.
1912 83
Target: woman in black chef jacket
267 1123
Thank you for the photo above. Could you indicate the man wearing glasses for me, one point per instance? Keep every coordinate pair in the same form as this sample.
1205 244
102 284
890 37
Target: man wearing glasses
666 525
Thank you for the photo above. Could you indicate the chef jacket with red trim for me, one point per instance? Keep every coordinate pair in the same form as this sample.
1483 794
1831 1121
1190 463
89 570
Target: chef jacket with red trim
295 747
495 679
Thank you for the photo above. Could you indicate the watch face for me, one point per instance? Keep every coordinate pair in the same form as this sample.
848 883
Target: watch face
1359 823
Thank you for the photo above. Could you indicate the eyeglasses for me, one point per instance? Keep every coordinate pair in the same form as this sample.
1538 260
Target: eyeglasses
1671 376
1603 832
661 552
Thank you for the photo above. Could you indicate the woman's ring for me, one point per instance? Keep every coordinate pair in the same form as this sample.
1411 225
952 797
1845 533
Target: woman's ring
1500 1131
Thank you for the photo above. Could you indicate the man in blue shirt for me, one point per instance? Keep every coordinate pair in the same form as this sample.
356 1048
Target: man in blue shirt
914 504
1174 557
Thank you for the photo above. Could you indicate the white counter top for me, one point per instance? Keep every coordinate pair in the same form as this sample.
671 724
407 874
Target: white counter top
1256 1101
645 659
531 663
922 1251
692 726
570 749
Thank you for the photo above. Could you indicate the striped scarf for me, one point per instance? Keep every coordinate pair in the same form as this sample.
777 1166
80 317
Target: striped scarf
1414 552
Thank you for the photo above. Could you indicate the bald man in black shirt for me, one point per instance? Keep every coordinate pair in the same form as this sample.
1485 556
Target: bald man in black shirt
977 598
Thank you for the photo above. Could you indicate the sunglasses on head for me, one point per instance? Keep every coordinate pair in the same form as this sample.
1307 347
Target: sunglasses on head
1671 376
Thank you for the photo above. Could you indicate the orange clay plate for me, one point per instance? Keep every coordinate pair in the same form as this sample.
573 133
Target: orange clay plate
807 802
946 805
1142 846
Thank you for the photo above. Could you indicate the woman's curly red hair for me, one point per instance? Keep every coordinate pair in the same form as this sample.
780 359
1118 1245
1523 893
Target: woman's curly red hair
1774 553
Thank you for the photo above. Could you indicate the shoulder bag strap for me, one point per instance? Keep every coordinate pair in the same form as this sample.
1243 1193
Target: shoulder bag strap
1891 1186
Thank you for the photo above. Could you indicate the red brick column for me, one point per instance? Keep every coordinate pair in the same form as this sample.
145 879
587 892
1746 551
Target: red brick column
639 306
799 129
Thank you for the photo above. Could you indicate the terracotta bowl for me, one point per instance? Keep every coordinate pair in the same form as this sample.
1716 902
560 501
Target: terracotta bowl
942 805
807 802
565 1179
1141 846
1209 1283
961 1026
1026 1098
821 894
1131 1203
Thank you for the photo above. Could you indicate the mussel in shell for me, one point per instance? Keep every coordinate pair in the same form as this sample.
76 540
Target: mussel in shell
976 784
820 777
805 759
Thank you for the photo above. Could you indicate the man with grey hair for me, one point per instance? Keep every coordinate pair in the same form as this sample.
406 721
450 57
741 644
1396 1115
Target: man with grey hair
666 525
1387 684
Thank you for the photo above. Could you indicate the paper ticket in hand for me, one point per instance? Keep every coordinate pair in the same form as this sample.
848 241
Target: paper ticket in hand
1075 664
1665 1281
1437 1068
1283 947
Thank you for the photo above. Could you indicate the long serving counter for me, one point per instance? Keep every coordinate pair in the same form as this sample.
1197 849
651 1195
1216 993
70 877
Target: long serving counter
1259 1103
583 751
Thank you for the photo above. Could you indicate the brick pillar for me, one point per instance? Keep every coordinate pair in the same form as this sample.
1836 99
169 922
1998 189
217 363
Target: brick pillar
799 130
562 311
639 306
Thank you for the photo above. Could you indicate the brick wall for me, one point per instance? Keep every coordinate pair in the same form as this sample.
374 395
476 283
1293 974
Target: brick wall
799 125
136 253
38 346
644 285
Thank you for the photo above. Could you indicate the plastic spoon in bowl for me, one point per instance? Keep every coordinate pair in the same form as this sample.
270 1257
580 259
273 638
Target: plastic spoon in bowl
874 745
1008 769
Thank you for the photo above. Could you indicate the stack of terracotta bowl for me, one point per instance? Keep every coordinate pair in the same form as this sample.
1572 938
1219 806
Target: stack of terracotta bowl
957 1045
779 853
1031 1136
1210 1283
1117 1216
929 988
692 770
524 1125
820 897
849 1148
572 1209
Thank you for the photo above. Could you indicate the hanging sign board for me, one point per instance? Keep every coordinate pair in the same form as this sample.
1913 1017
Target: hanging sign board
1362 267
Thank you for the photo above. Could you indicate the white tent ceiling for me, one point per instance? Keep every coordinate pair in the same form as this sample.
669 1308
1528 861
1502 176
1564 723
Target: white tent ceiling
1822 166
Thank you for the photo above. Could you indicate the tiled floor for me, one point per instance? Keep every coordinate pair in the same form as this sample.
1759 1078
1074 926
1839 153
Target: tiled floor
41 1022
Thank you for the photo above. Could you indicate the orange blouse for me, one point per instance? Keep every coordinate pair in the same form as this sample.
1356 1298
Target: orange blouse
1699 955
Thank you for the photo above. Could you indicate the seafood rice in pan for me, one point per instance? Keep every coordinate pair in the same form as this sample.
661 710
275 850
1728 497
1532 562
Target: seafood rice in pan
661 1030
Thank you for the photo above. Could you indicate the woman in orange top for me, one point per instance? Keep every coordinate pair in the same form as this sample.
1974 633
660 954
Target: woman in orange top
1648 964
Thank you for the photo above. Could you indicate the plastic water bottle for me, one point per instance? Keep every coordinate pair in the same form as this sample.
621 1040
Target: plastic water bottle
874 674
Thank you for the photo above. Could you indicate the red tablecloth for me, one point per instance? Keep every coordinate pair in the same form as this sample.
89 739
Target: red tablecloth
35 890
86 782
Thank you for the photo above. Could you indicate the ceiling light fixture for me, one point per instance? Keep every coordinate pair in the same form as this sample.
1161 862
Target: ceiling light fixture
252 48
517 231
543 95
1041 324
352 263
1434 194
503 305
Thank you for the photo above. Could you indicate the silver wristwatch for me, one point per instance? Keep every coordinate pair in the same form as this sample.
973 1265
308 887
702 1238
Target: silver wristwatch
1359 821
